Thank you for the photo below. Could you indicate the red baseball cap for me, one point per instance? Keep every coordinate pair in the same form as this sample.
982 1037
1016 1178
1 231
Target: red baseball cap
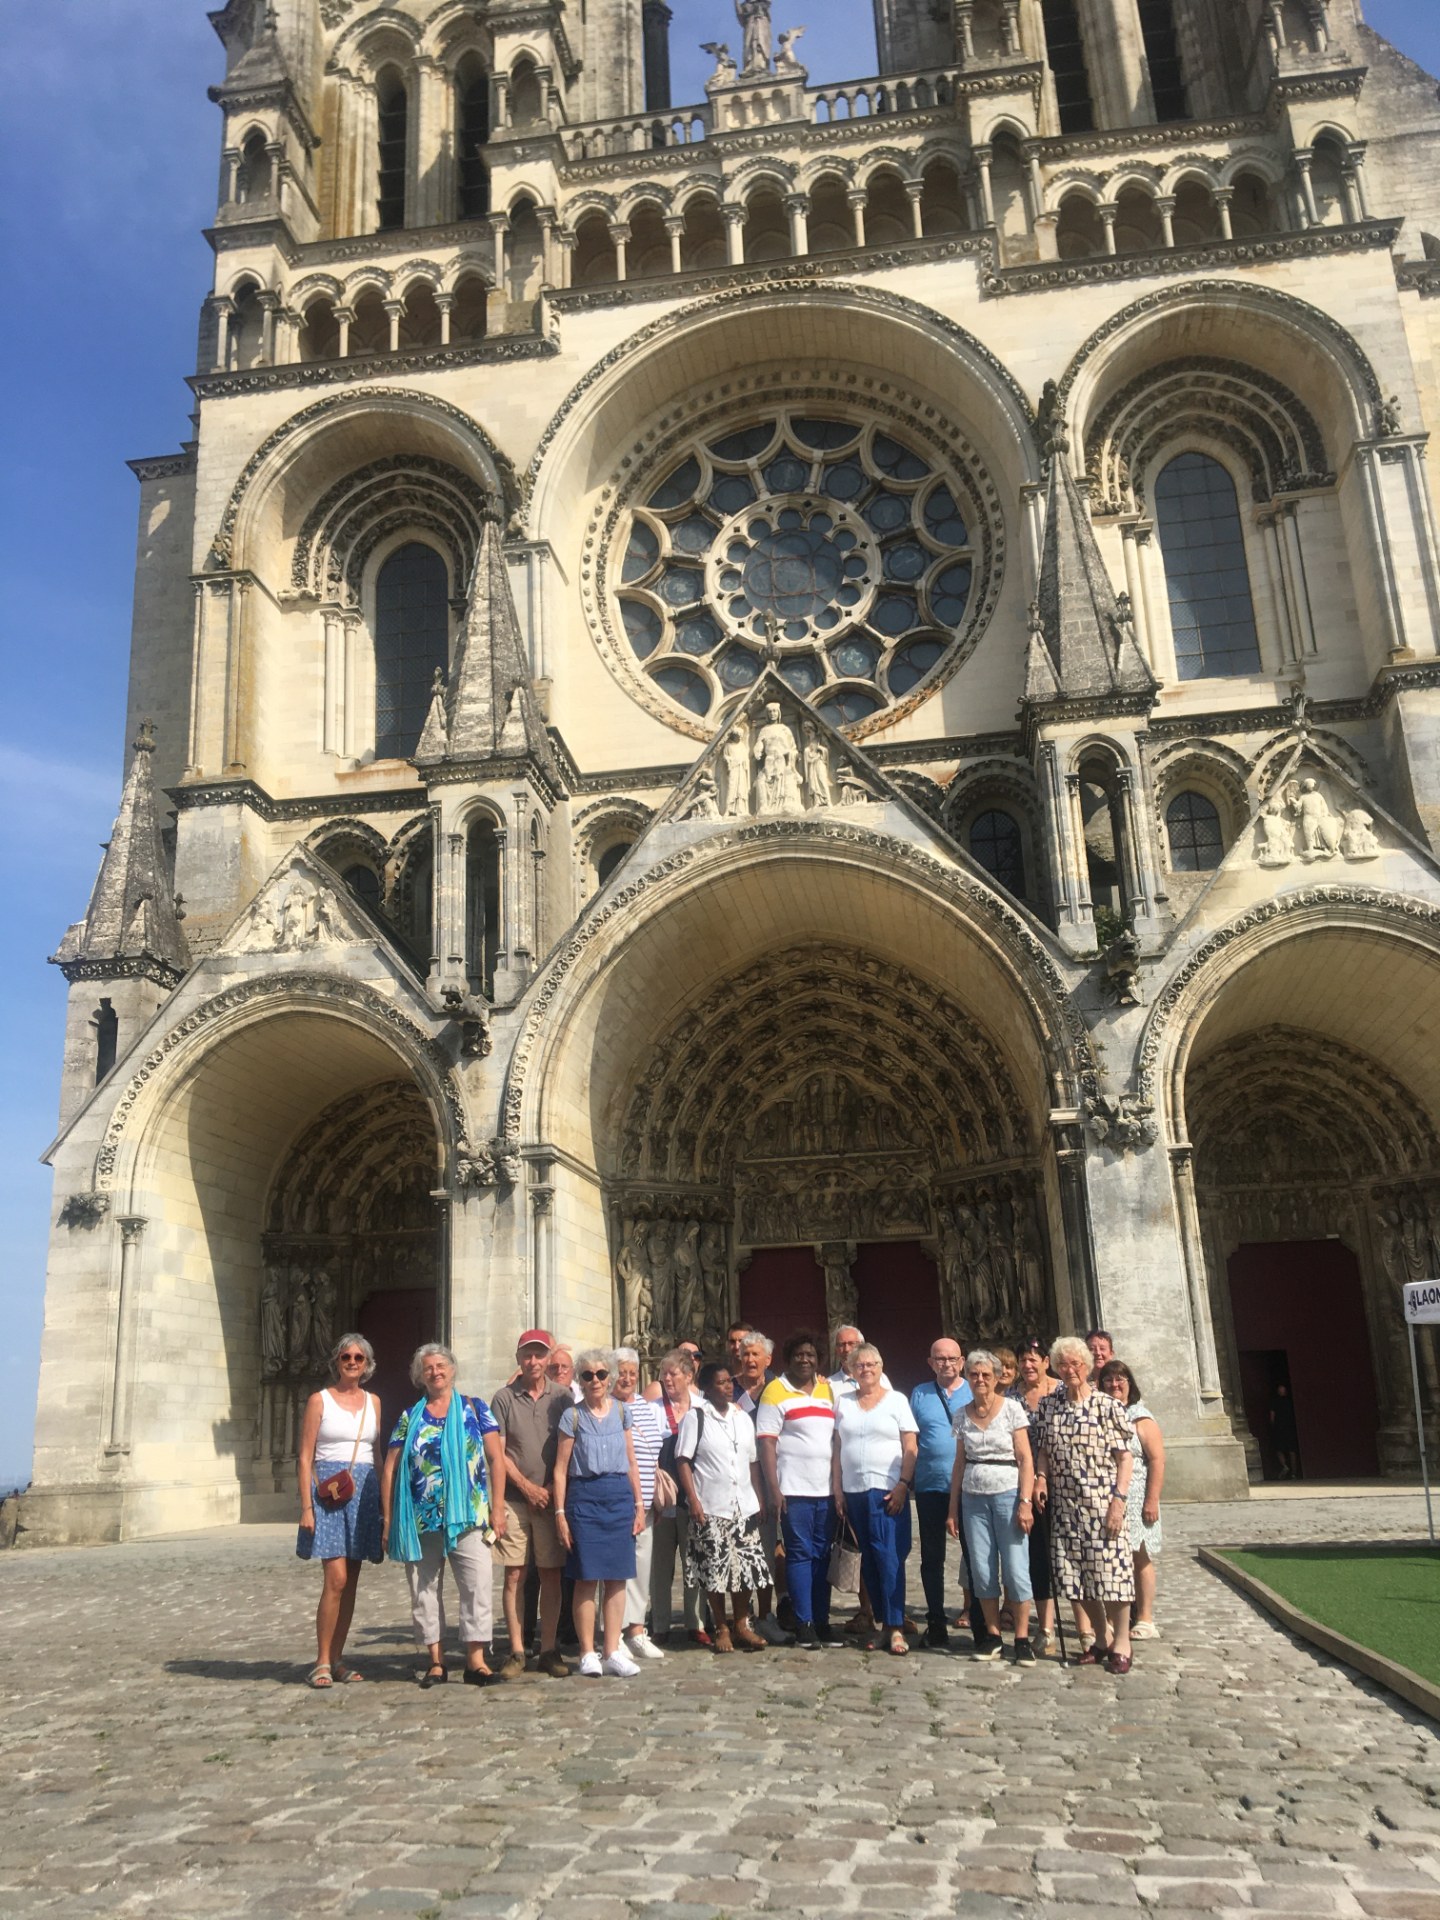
535 1337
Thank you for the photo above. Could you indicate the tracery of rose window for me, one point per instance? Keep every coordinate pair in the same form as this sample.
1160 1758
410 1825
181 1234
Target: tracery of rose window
831 547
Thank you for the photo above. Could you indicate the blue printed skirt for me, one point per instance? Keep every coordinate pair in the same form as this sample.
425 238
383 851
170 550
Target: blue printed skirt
351 1532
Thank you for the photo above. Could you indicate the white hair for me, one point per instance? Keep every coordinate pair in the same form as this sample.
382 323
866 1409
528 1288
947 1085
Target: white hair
868 1352
981 1357
1070 1347
422 1354
596 1357
626 1356
754 1339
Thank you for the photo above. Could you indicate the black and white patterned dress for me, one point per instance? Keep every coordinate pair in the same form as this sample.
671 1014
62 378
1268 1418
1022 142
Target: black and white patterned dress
1080 1439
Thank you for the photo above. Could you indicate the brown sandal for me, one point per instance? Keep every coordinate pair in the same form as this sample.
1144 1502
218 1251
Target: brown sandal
751 1641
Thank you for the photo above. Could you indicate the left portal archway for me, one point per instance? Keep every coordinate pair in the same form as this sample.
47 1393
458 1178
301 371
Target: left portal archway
284 1181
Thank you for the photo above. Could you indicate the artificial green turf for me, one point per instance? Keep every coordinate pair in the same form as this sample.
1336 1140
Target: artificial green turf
1389 1602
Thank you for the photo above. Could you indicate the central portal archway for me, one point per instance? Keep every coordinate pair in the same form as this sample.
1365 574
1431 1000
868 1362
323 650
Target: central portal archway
814 1085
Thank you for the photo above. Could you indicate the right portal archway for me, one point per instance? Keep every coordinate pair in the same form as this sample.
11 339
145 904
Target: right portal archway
1311 1092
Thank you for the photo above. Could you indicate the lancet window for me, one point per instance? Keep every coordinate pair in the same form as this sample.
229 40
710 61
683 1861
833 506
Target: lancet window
393 120
996 842
412 639
1206 575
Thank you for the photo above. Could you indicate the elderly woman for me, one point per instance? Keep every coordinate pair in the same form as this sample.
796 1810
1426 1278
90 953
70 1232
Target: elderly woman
994 1472
1034 1385
873 1469
647 1432
719 1471
340 1523
1147 1481
443 1499
598 1509
1083 1466
673 1397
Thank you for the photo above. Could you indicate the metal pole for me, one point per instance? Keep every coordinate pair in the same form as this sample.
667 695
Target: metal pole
1420 1430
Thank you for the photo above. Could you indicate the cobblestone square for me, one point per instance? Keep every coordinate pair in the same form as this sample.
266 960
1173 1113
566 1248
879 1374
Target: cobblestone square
164 1758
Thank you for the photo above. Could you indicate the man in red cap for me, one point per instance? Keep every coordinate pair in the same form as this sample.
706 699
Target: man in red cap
528 1414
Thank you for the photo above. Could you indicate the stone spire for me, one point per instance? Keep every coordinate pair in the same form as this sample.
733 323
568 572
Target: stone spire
1082 645
488 710
132 925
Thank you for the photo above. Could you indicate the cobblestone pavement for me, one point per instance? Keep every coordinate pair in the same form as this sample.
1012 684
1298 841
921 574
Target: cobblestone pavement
163 1759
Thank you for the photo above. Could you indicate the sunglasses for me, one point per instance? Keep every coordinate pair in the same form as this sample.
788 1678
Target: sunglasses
597 1373
354 1356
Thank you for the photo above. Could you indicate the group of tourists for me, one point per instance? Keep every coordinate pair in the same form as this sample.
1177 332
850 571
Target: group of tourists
773 1490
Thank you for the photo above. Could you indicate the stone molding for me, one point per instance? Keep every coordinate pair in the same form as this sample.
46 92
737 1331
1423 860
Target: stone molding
300 375
1316 242
245 793
295 991
164 466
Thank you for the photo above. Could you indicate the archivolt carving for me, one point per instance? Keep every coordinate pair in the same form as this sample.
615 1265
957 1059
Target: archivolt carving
343 527
994 1265
347 1171
410 403
817 1052
1272 431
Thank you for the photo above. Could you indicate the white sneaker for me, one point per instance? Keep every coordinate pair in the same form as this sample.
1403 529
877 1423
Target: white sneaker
642 1646
620 1665
590 1668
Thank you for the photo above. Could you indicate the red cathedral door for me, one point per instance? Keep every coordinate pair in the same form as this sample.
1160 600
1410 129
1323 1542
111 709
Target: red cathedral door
899 1310
783 1288
396 1320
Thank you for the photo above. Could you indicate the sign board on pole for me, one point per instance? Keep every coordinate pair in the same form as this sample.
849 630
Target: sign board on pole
1422 1303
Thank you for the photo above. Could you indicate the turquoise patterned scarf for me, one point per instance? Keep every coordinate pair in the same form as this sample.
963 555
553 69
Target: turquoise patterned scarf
455 1478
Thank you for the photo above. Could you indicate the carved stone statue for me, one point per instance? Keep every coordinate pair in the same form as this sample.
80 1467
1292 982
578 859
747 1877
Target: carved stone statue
1274 836
1357 838
1030 1263
300 1322
658 1245
777 777
705 803
735 765
322 1319
853 790
290 916
952 1276
1319 829
842 1296
686 1266
754 18
724 74
633 1273
272 1323
979 1275
816 769
715 1282
324 925
786 59
1389 418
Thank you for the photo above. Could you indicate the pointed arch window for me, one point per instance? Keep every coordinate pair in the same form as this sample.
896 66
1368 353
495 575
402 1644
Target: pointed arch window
393 115
1192 826
412 639
1212 614
996 843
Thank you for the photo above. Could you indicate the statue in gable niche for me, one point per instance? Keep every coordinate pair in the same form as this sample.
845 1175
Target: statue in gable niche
735 768
1274 836
816 769
1357 835
1319 828
705 801
777 777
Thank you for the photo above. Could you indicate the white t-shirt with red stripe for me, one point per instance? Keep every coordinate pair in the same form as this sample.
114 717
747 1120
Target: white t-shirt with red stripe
803 1425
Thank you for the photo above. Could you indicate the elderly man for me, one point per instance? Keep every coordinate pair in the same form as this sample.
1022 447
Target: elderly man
848 1342
935 1404
560 1367
754 1372
528 1415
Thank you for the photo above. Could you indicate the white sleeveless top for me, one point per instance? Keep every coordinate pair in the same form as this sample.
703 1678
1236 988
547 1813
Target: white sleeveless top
336 1440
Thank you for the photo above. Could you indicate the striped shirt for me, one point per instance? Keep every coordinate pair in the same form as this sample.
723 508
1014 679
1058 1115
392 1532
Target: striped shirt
648 1429
802 1423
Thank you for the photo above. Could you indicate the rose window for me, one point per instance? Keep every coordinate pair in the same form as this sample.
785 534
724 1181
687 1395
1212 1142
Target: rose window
831 548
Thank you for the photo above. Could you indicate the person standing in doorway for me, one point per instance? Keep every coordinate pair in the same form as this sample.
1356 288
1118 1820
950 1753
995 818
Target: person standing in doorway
528 1416
935 1403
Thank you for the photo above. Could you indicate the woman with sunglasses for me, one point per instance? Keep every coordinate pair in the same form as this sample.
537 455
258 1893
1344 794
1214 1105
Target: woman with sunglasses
340 1523
598 1510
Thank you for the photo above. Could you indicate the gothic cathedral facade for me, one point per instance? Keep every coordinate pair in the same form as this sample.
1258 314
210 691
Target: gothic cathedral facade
820 705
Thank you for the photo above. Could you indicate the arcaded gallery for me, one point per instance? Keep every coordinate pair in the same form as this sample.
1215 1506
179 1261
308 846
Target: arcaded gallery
820 704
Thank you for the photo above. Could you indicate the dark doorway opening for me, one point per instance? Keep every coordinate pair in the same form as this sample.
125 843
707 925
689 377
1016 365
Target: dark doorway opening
780 1290
396 1320
899 1288
1302 1300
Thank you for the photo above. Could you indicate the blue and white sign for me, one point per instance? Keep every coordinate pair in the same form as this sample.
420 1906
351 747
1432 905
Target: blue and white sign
1422 1303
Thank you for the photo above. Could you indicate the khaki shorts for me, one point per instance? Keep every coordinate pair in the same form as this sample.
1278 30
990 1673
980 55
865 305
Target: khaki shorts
528 1537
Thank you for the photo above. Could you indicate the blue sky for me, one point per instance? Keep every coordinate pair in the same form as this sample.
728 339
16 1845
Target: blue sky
109 157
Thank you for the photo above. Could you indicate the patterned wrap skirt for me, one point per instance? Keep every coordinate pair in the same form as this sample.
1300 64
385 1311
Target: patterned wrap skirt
726 1556
351 1532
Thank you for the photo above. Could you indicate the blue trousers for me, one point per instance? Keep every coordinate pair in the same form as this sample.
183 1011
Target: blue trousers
995 1545
808 1526
884 1548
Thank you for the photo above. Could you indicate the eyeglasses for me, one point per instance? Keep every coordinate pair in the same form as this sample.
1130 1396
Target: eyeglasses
354 1356
597 1373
